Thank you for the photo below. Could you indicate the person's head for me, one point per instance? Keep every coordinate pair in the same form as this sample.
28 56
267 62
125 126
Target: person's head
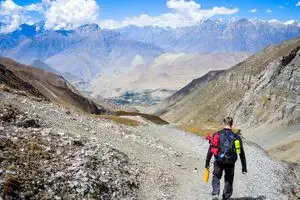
228 122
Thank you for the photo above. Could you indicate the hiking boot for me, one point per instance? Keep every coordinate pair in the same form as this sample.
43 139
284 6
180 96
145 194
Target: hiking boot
215 197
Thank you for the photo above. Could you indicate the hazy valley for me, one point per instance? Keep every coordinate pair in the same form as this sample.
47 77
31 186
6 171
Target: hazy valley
99 60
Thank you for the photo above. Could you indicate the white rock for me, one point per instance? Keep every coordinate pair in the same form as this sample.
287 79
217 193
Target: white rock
46 131
61 133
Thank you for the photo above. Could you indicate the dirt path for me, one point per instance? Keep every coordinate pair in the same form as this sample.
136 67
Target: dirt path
262 181
171 160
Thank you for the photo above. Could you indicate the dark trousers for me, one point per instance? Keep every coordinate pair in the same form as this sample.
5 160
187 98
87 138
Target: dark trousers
217 175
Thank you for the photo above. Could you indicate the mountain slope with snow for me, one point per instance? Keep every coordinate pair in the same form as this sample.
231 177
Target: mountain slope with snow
90 50
84 52
216 35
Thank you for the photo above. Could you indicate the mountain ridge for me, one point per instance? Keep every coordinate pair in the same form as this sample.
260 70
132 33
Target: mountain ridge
263 91
113 51
216 35
47 85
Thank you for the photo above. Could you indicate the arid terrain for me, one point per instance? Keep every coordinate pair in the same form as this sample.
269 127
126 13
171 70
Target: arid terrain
49 152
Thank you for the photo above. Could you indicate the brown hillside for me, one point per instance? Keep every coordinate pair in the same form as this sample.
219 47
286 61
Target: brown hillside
42 83
210 102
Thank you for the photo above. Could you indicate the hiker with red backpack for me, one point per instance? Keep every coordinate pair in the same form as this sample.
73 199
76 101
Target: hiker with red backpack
225 147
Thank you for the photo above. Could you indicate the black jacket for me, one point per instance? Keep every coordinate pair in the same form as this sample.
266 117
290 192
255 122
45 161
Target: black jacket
242 156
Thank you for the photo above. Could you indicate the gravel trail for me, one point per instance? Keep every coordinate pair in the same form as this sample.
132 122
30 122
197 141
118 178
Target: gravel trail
170 160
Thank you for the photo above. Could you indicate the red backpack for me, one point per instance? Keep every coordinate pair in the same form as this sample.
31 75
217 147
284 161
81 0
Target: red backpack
214 143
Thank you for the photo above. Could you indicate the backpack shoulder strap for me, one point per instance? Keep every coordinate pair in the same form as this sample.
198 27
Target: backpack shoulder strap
221 132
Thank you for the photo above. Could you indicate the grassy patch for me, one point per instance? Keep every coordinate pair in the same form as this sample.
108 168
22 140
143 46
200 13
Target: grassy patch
265 100
118 119
35 150
153 118
201 131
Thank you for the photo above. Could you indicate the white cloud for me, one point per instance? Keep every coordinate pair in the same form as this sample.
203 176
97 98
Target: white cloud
184 13
9 12
183 6
58 14
69 14
39 7
253 10
290 22
8 6
274 21
269 10
14 15
13 23
298 4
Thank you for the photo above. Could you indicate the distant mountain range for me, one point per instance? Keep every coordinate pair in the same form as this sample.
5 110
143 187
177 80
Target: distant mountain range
213 35
84 52
89 50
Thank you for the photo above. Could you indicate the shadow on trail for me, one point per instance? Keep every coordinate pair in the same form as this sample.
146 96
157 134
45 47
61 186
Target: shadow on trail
250 198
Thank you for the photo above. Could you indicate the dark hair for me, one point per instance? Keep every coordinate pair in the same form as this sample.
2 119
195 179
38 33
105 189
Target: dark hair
228 121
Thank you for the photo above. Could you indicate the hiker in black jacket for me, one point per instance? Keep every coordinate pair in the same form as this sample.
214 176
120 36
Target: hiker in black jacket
225 145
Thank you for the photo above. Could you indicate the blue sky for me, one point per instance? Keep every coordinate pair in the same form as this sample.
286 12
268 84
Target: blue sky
281 9
118 13
119 9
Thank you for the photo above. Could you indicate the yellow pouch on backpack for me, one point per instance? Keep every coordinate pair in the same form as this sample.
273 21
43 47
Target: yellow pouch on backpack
206 175
237 145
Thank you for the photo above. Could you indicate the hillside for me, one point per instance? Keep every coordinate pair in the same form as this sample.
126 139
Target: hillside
79 83
49 152
45 84
163 106
261 92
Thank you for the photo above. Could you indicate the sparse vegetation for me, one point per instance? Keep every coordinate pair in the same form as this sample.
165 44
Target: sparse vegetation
153 118
118 119
265 100
35 150
286 152
201 131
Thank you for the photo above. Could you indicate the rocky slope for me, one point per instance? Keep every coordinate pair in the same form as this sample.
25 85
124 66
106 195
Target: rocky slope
48 152
46 84
259 92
